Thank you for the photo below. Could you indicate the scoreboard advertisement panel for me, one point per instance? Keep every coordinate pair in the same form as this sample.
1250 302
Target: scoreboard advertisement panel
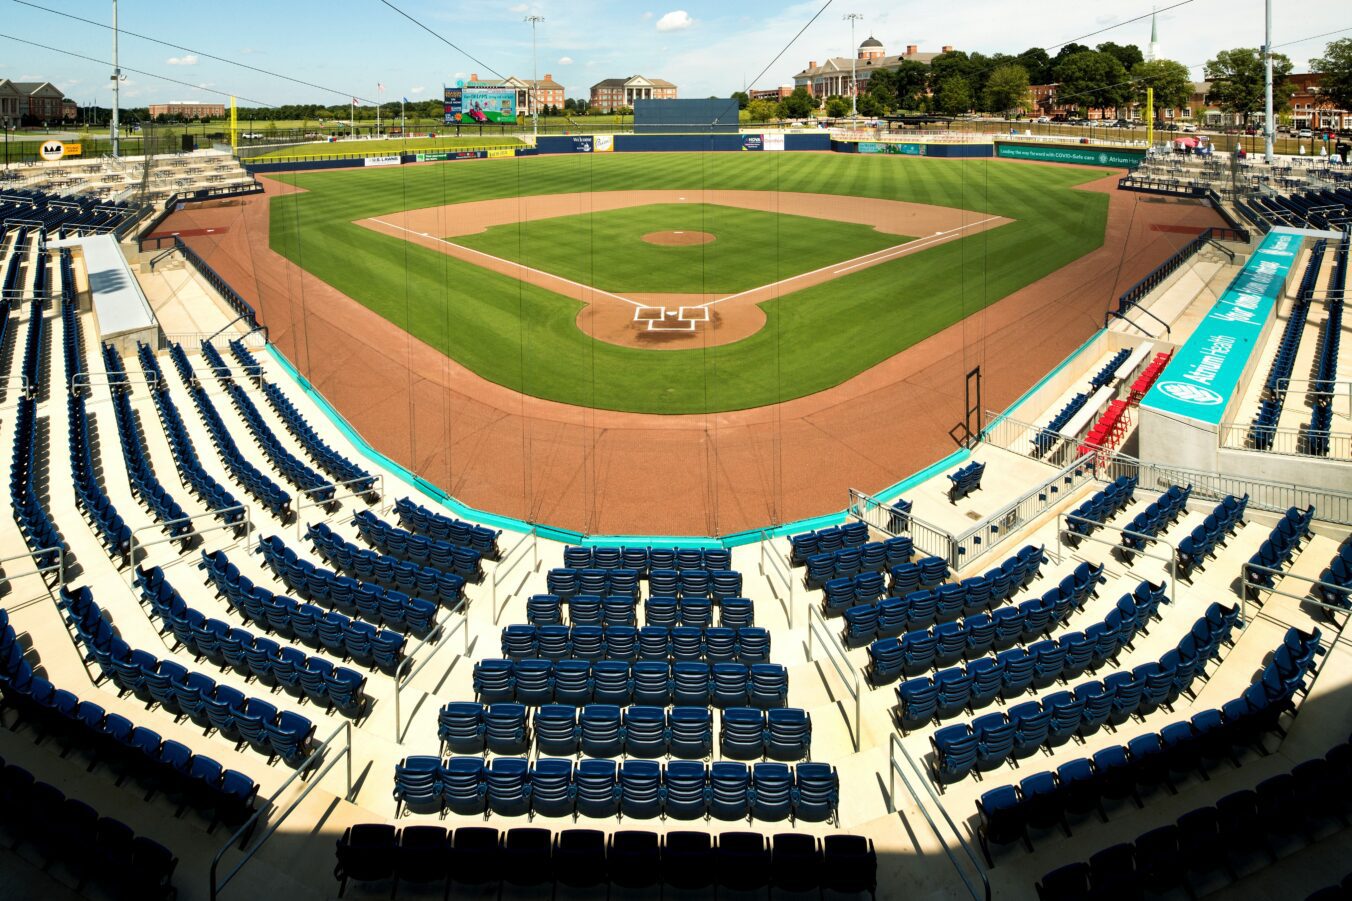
468 105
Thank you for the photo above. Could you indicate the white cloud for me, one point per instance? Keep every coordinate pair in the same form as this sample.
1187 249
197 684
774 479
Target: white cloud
417 89
565 60
186 59
518 8
647 16
676 20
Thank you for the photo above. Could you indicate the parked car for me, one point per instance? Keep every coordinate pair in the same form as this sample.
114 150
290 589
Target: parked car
1188 126
1306 133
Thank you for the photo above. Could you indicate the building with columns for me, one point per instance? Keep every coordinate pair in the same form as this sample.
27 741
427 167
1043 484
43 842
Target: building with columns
832 78
614 93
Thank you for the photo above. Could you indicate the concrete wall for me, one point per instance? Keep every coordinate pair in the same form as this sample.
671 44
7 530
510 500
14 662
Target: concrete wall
1335 475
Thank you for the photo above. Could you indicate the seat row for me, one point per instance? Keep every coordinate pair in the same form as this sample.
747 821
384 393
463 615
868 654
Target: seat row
353 639
1013 672
750 644
1047 437
580 682
1203 540
844 592
943 645
415 548
388 607
991 740
1263 429
826 541
1150 759
608 730
252 656
1141 386
250 477
645 559
1282 542
145 485
1101 506
893 615
662 612
1338 573
417 518
286 734
426 582
1158 516
100 849
308 482
641 789
37 527
210 492
870 557
1107 372
1240 826
591 859
964 480
90 496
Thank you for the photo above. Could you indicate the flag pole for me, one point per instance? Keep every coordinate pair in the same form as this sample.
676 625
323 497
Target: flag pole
379 89
352 124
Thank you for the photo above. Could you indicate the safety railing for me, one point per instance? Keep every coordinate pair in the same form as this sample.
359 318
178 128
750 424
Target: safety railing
777 574
1246 588
441 635
1335 387
310 764
242 526
305 499
895 769
982 538
508 562
880 515
59 567
23 383
1285 442
1056 449
87 379
192 341
835 655
1170 561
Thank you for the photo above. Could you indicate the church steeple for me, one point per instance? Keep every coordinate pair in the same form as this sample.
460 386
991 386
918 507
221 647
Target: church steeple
1154 52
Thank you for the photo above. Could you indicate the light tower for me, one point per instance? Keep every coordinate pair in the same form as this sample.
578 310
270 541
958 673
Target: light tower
854 57
534 76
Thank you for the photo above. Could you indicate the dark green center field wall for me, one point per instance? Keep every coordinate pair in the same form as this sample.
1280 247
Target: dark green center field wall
527 339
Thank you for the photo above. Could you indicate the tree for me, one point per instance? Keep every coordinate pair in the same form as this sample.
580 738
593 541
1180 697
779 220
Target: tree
837 106
1237 76
870 105
1336 68
1171 80
1037 63
798 105
1092 80
954 96
1129 55
743 99
946 65
1006 89
762 110
902 88
1066 51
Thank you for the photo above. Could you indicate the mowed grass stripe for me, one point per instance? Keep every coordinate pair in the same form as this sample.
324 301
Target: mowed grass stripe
747 251
814 339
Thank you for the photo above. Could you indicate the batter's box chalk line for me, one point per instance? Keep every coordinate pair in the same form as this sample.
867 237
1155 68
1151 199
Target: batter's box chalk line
663 319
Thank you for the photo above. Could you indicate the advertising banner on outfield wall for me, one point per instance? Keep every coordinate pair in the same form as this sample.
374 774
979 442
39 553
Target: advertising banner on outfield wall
603 143
909 149
774 141
1086 156
382 160
753 142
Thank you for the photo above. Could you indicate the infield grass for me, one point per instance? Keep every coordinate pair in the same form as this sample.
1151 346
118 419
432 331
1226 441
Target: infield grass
750 247
527 338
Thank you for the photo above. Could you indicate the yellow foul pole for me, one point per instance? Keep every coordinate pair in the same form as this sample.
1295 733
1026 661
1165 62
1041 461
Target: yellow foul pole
1150 117
234 125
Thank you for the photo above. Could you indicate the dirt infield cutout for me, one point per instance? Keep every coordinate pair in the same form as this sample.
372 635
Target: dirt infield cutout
677 321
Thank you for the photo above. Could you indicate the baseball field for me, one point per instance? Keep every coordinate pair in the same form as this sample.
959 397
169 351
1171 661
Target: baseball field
684 283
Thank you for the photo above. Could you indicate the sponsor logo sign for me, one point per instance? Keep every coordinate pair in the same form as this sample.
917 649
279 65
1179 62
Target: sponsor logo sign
603 143
1205 372
388 160
52 150
774 142
753 142
497 153
1052 153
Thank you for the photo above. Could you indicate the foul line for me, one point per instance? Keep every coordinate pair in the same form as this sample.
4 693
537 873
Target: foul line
868 259
519 266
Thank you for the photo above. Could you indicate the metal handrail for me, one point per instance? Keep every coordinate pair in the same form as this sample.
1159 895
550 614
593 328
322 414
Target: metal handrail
926 536
345 754
59 568
1171 560
781 571
1245 585
501 571
1284 442
1008 519
894 769
86 379
442 632
303 501
246 521
835 655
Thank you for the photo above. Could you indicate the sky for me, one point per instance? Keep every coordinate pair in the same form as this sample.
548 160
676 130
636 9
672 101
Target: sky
705 47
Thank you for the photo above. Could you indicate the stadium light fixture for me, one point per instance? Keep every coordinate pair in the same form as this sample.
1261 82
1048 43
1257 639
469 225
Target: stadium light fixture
533 94
854 58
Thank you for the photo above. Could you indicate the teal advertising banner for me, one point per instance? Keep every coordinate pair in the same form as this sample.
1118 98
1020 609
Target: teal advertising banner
1079 154
890 147
1202 377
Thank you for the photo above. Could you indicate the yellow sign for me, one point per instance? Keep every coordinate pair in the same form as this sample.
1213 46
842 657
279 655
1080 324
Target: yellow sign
497 153
73 150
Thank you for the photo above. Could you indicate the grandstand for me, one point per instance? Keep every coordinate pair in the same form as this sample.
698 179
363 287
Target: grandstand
243 653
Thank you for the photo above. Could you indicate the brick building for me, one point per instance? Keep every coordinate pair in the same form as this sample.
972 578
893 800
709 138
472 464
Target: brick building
545 93
832 77
615 93
774 95
30 102
182 110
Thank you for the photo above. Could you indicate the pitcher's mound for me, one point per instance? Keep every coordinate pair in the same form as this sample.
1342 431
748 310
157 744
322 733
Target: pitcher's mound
678 239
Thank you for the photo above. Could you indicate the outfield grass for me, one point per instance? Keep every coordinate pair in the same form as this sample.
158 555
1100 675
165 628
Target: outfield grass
527 339
380 147
750 247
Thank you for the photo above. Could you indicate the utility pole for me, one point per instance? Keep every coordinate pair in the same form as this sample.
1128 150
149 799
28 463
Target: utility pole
854 56
117 80
534 76
1267 87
